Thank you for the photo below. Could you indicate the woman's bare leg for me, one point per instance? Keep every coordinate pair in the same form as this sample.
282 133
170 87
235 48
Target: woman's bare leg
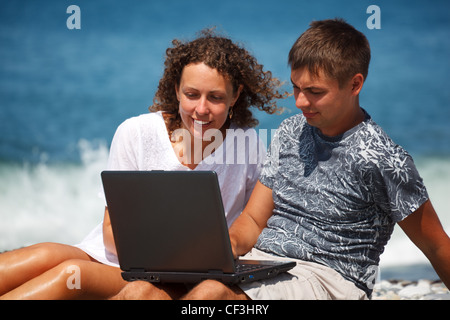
21 265
72 279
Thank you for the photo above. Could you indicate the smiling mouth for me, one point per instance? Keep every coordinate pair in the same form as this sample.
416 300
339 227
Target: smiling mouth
201 123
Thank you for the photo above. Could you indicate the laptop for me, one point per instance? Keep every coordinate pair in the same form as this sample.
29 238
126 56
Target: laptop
170 227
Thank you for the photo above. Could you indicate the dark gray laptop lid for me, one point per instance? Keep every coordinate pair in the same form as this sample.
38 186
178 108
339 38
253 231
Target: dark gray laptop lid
168 221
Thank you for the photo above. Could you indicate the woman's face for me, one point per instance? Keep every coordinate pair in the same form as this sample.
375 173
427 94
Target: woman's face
205 97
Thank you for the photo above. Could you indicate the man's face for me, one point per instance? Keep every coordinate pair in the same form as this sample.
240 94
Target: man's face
324 104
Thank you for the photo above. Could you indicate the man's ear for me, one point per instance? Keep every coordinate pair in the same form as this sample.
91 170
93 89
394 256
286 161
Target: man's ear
357 83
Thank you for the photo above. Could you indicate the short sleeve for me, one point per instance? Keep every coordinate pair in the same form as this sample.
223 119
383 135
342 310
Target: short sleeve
123 153
271 163
400 190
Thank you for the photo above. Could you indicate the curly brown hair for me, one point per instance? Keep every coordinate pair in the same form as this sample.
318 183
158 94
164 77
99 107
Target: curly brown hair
260 89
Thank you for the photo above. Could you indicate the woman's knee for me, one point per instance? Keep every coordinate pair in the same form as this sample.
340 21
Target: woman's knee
55 253
33 259
45 255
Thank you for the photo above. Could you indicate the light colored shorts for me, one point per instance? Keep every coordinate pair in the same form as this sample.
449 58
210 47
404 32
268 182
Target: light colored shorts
306 281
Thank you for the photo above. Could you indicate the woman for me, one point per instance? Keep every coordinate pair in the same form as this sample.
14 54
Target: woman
205 94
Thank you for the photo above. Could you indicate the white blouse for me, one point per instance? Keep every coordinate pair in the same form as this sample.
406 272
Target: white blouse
142 143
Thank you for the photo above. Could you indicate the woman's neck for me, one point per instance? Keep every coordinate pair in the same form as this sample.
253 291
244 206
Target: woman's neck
190 150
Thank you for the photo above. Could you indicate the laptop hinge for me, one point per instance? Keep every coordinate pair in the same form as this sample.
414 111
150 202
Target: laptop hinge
137 270
215 271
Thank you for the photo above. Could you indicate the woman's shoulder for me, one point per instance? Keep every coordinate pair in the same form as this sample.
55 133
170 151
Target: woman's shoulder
141 122
151 117
144 125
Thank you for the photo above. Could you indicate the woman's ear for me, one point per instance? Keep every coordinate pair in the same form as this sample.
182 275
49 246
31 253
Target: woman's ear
239 90
177 92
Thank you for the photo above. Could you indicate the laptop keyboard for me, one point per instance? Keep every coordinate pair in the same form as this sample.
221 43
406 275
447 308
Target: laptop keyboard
242 267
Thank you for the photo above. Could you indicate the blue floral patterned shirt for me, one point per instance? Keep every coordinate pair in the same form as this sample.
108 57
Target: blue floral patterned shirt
337 199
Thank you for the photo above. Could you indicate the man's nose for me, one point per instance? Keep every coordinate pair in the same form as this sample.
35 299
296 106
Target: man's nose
301 101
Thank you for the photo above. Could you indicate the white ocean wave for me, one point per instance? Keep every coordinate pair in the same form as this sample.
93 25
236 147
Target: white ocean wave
51 202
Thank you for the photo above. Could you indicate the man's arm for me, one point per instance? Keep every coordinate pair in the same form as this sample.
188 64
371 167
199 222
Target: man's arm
425 230
247 227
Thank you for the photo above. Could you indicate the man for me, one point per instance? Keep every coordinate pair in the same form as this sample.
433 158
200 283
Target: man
332 187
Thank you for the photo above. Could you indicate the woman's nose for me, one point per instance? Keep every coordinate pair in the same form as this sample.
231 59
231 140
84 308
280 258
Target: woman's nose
202 106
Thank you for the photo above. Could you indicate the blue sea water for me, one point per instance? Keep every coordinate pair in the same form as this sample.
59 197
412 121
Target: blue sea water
64 92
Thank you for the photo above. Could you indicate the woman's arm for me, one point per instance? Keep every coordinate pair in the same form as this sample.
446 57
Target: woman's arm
108 239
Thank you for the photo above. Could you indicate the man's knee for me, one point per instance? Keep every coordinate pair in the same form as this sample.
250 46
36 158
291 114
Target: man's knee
137 290
214 290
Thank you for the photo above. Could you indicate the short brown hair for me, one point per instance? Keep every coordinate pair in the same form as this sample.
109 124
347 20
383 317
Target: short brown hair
333 46
234 62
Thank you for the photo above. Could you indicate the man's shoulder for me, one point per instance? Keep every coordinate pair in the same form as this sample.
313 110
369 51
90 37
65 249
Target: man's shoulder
376 137
374 145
